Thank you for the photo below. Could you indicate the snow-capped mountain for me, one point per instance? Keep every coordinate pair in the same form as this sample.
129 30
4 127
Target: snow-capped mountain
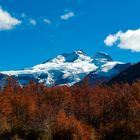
66 69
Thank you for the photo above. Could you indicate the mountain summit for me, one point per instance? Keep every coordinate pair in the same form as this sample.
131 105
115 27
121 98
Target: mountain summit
78 56
66 69
101 58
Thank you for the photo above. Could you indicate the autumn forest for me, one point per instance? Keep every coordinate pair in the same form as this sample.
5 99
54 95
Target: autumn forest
80 112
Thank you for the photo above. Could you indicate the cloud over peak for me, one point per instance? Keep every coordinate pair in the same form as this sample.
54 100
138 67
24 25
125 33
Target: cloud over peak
7 22
125 40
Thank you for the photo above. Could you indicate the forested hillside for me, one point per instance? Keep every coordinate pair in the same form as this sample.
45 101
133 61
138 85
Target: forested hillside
80 112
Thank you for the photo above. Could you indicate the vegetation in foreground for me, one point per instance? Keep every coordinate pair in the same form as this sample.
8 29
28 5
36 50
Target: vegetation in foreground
81 112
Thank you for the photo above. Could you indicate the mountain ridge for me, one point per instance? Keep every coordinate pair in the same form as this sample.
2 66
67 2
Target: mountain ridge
66 69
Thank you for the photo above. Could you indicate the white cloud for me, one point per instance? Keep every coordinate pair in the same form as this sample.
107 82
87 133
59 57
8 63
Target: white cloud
112 39
32 21
67 16
23 15
125 40
47 21
7 22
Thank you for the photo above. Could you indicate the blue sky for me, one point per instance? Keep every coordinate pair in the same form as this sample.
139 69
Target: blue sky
41 29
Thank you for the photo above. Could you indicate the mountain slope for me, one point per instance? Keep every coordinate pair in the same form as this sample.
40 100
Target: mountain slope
106 72
68 68
129 75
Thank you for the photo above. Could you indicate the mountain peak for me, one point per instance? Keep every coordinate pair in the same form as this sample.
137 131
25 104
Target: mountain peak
71 57
80 52
101 58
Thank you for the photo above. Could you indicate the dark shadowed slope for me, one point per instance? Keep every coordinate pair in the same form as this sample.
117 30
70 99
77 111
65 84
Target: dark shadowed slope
129 75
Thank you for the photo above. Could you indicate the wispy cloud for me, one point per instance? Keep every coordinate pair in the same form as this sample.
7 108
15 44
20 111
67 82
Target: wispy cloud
67 16
47 21
33 22
7 22
23 15
125 40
